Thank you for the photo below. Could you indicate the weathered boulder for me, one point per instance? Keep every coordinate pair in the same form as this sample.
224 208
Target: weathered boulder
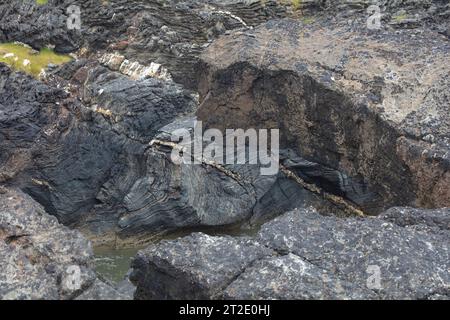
194 267
41 259
371 104
310 257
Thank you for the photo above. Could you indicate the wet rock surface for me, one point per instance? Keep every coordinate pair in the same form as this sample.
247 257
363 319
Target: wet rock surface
41 259
311 257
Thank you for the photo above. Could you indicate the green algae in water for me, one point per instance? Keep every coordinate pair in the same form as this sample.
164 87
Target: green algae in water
22 58
113 264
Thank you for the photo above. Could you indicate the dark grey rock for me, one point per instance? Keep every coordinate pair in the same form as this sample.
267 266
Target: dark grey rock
170 33
195 267
99 290
375 127
80 158
429 221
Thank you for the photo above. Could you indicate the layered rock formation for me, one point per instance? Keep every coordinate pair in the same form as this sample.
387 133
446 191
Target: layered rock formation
364 119
41 259
371 104
171 33
83 147
304 255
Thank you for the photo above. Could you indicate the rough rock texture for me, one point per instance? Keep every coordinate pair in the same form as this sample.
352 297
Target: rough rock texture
316 257
77 142
290 277
99 290
429 221
194 267
363 114
371 104
83 152
413 265
172 195
81 147
38 256
395 13
171 33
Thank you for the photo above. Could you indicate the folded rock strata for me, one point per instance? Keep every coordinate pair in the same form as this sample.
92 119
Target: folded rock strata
179 195
70 147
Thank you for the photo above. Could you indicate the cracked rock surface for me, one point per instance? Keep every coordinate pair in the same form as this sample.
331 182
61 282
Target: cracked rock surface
308 256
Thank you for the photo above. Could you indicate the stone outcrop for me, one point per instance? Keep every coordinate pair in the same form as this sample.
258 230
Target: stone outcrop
41 259
364 119
170 33
370 104
80 145
305 256
158 268
81 148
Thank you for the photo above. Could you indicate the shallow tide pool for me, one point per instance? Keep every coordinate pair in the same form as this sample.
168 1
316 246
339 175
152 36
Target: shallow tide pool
113 264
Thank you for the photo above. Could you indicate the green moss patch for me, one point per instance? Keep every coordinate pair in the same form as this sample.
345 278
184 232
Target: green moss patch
22 58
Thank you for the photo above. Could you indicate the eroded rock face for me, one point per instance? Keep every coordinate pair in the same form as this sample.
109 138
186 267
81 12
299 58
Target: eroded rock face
306 256
171 33
373 105
170 195
41 259
70 147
